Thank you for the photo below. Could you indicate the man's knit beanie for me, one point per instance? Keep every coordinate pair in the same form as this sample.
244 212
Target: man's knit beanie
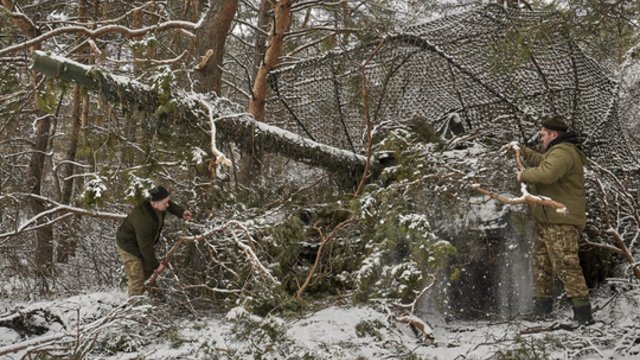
158 193
554 122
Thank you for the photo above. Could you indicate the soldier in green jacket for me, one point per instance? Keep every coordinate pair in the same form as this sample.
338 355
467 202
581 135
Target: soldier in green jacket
138 234
558 174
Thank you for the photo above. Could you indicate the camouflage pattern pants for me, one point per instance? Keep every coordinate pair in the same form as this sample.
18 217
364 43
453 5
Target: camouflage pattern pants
556 255
137 272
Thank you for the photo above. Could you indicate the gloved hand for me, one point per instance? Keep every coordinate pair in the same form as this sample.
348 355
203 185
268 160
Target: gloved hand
512 146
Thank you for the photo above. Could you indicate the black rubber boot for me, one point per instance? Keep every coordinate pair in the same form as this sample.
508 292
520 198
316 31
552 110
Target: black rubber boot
582 314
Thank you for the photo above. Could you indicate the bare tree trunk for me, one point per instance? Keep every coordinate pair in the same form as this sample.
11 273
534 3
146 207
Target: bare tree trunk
280 24
137 22
250 166
261 37
67 244
70 157
68 168
211 39
132 119
250 162
210 43
191 10
130 131
44 235
154 19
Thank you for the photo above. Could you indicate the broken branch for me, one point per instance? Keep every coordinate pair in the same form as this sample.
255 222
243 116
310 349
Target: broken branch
525 198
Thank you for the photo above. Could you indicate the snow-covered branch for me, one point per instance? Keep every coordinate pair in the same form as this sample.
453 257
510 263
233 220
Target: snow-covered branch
611 231
239 127
69 343
218 156
32 223
525 198
253 260
248 251
101 31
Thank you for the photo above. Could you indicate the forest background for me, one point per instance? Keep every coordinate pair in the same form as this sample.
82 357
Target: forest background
272 238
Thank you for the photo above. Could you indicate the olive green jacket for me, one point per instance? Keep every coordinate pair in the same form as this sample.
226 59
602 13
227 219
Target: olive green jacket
140 231
558 174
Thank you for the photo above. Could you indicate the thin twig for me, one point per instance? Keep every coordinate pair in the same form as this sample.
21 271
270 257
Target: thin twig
316 263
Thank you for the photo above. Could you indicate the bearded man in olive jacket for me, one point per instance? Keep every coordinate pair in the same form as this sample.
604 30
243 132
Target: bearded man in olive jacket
558 174
139 233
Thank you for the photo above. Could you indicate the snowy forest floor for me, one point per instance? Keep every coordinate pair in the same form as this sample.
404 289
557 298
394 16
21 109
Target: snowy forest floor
102 325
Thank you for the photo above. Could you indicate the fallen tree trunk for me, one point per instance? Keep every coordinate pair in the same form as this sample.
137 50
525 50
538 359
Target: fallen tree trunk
237 126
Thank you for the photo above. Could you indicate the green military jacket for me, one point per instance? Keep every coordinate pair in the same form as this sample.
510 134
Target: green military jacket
558 174
139 232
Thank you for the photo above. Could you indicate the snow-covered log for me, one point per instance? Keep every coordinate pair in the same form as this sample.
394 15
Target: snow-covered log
240 127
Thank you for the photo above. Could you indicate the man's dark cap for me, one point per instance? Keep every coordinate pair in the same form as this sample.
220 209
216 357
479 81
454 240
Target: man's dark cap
158 193
554 122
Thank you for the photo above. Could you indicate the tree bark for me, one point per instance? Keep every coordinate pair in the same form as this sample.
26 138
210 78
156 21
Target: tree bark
250 167
239 127
76 115
44 235
70 157
280 24
261 36
210 43
211 39
67 244
133 118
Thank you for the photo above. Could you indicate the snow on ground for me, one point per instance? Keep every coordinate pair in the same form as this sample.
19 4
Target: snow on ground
334 332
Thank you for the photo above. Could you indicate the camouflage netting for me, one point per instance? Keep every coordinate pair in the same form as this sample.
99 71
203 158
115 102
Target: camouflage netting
482 68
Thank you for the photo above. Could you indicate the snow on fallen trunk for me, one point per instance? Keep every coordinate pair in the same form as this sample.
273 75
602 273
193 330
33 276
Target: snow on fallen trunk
240 127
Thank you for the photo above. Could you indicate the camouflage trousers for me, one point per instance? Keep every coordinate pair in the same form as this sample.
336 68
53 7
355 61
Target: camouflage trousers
137 272
556 255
